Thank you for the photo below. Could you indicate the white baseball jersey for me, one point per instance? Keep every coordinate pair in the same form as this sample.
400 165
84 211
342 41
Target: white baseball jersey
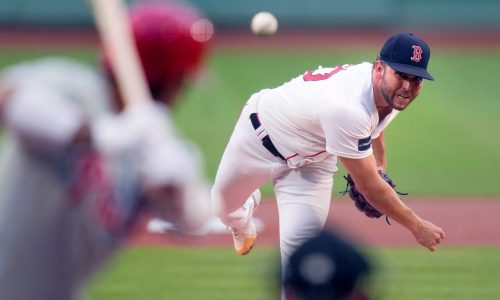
62 211
327 110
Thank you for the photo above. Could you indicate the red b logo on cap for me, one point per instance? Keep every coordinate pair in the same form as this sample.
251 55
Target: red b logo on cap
417 53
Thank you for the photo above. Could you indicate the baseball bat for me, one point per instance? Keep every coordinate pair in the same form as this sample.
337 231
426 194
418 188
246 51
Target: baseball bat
114 30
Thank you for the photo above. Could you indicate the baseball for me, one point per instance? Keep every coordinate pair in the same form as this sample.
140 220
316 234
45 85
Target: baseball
264 24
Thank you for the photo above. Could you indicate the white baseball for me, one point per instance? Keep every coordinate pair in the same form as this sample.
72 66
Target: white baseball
264 24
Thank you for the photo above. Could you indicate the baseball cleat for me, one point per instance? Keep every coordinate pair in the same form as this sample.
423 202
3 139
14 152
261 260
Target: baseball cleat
244 238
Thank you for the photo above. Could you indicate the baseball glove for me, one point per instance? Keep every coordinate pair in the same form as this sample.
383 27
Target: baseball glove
360 201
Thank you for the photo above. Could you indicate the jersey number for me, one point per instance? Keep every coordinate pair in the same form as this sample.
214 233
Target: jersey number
323 73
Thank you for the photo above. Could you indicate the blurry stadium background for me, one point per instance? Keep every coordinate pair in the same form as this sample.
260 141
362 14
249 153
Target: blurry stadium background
447 145
459 14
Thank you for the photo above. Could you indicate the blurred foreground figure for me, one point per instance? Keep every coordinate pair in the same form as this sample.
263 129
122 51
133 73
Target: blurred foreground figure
78 167
327 267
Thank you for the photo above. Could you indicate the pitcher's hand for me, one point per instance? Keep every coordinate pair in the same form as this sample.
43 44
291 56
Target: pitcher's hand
428 235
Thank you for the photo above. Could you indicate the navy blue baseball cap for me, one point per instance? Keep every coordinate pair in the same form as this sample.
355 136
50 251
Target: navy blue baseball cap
406 53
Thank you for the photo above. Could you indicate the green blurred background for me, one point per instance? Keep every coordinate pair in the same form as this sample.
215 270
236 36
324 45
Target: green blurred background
447 143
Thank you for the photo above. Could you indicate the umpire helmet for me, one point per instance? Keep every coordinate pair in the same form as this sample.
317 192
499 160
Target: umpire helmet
172 39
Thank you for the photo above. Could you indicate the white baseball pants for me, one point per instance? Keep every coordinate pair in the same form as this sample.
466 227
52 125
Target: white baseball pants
303 194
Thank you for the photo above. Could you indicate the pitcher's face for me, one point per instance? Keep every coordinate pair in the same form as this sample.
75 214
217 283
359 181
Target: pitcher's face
399 89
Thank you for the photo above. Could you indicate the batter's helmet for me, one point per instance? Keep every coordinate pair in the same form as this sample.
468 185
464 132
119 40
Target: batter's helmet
171 40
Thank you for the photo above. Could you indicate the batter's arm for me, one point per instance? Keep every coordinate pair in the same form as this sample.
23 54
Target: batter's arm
378 146
384 198
39 116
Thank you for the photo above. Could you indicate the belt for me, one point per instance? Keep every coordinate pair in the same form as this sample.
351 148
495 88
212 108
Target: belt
266 140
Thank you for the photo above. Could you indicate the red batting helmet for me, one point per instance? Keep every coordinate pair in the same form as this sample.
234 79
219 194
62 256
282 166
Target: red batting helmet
171 39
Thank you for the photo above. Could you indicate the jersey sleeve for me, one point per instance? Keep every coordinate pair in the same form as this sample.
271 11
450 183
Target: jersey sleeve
346 129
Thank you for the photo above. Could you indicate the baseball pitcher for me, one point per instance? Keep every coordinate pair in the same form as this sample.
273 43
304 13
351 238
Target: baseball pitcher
295 134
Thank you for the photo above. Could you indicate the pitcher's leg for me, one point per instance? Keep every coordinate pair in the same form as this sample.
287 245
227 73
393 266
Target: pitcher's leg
303 197
245 165
235 182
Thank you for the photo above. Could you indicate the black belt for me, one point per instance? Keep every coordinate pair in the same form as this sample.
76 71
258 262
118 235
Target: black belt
266 140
